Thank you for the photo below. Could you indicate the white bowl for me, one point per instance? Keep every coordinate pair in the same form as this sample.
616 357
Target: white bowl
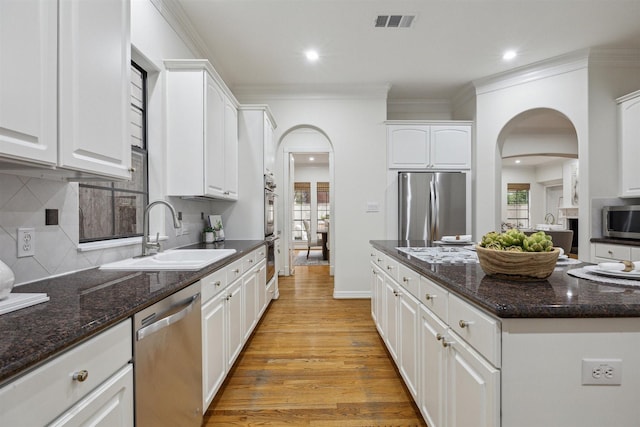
6 280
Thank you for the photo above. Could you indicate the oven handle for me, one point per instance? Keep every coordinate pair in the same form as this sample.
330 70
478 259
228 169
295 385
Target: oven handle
185 307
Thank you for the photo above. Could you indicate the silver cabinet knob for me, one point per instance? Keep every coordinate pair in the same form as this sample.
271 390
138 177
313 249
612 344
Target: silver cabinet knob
439 336
406 279
429 297
81 376
217 283
446 343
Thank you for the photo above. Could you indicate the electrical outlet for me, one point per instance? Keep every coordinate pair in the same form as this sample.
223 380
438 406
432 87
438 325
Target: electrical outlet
601 371
26 242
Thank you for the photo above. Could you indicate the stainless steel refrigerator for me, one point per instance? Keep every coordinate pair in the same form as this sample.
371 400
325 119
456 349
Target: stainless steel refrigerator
431 205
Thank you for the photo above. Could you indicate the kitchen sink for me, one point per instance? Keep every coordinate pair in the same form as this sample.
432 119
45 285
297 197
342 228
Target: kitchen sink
178 259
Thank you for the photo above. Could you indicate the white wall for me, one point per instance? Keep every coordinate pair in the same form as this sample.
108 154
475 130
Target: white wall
354 125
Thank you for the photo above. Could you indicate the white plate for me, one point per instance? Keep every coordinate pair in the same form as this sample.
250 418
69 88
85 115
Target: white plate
452 242
635 275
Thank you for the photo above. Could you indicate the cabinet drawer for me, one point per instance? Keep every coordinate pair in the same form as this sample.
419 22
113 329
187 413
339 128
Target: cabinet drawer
378 258
249 261
435 298
478 329
616 252
43 394
213 283
409 279
261 253
234 271
390 267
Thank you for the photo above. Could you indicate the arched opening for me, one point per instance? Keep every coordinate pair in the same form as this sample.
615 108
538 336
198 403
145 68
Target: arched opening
538 149
307 204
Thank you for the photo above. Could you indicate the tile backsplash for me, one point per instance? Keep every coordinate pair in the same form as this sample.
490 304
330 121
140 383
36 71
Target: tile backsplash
23 201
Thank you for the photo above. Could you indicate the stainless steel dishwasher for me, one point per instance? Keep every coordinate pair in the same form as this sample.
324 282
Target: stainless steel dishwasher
167 356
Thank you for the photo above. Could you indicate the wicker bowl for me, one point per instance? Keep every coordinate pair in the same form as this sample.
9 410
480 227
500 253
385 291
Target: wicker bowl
521 266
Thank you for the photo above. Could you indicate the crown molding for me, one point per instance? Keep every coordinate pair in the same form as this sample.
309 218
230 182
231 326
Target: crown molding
312 92
536 71
615 57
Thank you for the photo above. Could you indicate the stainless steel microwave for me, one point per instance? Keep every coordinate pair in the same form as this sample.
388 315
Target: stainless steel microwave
621 221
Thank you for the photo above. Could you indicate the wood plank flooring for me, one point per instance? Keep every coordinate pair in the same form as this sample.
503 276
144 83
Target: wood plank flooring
314 361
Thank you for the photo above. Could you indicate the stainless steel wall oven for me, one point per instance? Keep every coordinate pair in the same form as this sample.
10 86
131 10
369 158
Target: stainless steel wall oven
269 205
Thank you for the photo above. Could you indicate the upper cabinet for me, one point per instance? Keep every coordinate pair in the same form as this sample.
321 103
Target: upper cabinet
429 145
28 80
65 79
629 144
202 132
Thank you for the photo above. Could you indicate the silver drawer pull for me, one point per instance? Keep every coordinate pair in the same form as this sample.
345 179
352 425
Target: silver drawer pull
610 252
439 336
465 323
217 283
446 343
389 267
430 297
379 260
406 279
237 270
80 376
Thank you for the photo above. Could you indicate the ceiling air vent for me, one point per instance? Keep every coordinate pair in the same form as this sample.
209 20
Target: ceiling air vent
394 21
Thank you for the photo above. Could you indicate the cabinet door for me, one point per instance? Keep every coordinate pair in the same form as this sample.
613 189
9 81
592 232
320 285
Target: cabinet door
250 284
230 150
408 323
391 317
94 87
111 404
629 123
214 139
450 147
28 80
473 387
269 146
408 147
235 319
262 288
433 372
214 347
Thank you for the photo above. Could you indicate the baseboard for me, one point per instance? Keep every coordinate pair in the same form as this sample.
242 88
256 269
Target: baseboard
351 294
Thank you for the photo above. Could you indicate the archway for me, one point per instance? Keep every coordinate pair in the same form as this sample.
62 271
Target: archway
303 139
539 151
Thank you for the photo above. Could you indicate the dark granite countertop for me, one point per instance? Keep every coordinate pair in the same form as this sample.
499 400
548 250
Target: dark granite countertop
559 296
616 241
86 302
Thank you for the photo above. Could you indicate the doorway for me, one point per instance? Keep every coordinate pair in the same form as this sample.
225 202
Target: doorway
307 205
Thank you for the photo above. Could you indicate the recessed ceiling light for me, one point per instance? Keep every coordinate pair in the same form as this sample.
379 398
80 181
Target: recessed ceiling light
509 55
312 55
517 161
311 159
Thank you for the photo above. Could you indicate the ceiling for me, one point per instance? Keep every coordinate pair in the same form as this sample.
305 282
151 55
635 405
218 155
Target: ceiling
260 43
305 159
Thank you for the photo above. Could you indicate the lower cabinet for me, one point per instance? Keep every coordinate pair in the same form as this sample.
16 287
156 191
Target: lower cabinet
451 378
231 308
90 384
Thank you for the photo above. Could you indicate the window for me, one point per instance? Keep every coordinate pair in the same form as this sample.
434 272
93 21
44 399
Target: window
301 209
517 206
322 197
112 210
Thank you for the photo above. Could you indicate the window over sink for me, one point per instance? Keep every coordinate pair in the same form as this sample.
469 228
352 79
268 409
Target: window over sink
114 209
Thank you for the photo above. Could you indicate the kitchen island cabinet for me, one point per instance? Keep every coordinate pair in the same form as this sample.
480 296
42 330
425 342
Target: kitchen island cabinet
511 353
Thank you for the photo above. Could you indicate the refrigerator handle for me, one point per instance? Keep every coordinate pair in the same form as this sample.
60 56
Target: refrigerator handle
433 209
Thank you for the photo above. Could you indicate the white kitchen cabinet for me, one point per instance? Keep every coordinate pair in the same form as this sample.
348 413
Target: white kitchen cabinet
433 373
66 75
94 87
607 252
214 346
408 352
28 83
628 144
91 379
235 319
429 145
473 386
390 322
250 284
202 156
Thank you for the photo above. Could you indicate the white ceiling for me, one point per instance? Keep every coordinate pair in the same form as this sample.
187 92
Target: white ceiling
260 43
319 159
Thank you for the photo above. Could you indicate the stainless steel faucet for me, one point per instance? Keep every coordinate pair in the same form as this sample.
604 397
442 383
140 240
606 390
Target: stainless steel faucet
146 243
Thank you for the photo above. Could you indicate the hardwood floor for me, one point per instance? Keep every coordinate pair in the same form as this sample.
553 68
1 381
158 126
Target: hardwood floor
314 361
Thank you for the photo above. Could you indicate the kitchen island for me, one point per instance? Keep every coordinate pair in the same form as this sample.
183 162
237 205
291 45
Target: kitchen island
476 350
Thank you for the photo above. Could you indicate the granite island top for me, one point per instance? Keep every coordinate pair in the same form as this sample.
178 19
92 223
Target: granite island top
559 296
84 303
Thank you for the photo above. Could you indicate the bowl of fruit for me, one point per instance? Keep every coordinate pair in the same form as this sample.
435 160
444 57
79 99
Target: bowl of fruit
515 256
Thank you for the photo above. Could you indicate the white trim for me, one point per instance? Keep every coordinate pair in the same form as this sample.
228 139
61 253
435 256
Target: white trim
114 243
351 294
201 64
537 71
316 92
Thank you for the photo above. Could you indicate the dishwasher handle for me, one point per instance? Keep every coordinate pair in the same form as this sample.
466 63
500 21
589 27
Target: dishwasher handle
169 320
